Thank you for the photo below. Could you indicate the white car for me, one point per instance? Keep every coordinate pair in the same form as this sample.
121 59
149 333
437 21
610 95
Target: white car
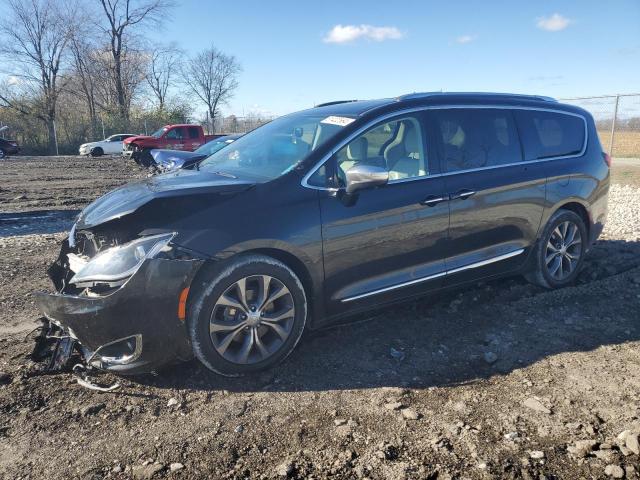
109 146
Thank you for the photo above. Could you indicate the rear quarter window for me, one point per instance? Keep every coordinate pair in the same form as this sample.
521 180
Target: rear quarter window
550 134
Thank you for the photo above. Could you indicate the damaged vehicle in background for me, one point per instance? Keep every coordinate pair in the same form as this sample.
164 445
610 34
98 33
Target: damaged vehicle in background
7 147
323 213
187 137
167 160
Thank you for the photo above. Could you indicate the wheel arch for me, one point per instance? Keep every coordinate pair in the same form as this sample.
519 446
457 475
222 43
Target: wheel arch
576 206
288 258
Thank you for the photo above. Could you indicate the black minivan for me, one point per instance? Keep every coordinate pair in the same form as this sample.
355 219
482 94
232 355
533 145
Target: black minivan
322 213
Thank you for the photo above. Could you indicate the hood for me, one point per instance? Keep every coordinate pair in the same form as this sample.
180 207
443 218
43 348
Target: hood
165 156
138 138
173 159
128 198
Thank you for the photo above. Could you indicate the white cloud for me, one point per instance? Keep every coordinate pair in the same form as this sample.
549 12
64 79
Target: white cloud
554 23
13 80
351 33
465 39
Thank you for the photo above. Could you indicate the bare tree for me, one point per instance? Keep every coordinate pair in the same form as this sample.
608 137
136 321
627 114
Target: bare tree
164 64
122 16
86 71
213 77
35 38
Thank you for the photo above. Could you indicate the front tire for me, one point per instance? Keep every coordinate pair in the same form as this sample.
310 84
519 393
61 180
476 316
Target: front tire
97 152
2 154
559 253
145 158
247 316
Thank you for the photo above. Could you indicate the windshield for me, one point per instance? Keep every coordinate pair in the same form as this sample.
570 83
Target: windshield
158 133
213 146
277 147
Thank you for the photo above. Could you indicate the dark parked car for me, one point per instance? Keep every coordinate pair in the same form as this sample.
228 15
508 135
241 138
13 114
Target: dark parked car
7 147
168 160
327 212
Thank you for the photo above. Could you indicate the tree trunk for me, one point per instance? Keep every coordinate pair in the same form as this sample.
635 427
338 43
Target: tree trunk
212 117
51 130
213 111
94 120
122 100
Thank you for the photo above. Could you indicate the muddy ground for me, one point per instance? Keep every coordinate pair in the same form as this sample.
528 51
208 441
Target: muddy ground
501 380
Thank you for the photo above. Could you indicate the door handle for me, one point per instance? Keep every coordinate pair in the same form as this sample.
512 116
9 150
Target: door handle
462 194
433 200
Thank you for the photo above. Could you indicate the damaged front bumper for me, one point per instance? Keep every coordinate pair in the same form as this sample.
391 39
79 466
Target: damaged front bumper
135 328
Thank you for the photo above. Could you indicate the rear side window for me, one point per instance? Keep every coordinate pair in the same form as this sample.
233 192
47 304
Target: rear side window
550 134
194 132
477 138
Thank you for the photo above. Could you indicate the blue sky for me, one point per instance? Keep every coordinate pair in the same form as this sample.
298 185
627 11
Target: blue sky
296 53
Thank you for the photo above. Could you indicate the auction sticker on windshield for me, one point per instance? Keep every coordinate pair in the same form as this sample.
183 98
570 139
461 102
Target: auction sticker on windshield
341 121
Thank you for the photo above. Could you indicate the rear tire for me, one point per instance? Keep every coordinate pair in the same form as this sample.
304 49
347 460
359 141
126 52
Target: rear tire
97 152
559 253
2 154
246 316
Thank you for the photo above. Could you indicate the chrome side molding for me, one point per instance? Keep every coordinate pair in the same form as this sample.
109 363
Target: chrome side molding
437 275
393 287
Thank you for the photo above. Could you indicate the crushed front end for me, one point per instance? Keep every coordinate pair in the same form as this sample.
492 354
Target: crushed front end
120 301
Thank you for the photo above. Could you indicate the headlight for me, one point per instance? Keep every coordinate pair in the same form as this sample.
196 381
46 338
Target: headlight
119 263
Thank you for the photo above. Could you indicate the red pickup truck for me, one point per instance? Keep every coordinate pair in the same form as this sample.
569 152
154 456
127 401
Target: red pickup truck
171 137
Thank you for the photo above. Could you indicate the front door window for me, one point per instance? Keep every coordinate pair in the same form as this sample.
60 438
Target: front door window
396 145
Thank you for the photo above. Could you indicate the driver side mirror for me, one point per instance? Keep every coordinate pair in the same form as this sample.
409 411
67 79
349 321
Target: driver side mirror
365 176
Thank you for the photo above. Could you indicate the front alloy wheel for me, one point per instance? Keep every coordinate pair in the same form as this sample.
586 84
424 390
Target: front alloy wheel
252 319
246 314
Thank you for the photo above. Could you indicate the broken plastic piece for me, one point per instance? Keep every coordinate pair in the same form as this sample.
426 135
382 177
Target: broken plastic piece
82 377
52 345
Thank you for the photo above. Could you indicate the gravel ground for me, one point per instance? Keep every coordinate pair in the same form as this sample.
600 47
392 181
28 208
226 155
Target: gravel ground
500 380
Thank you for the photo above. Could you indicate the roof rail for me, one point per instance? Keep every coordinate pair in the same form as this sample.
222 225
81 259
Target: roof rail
411 96
335 102
416 95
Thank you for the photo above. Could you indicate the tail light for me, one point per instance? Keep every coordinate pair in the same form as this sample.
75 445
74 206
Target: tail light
607 159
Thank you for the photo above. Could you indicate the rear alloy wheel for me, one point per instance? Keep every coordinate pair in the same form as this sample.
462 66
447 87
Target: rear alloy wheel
248 317
560 251
97 152
563 251
1 154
